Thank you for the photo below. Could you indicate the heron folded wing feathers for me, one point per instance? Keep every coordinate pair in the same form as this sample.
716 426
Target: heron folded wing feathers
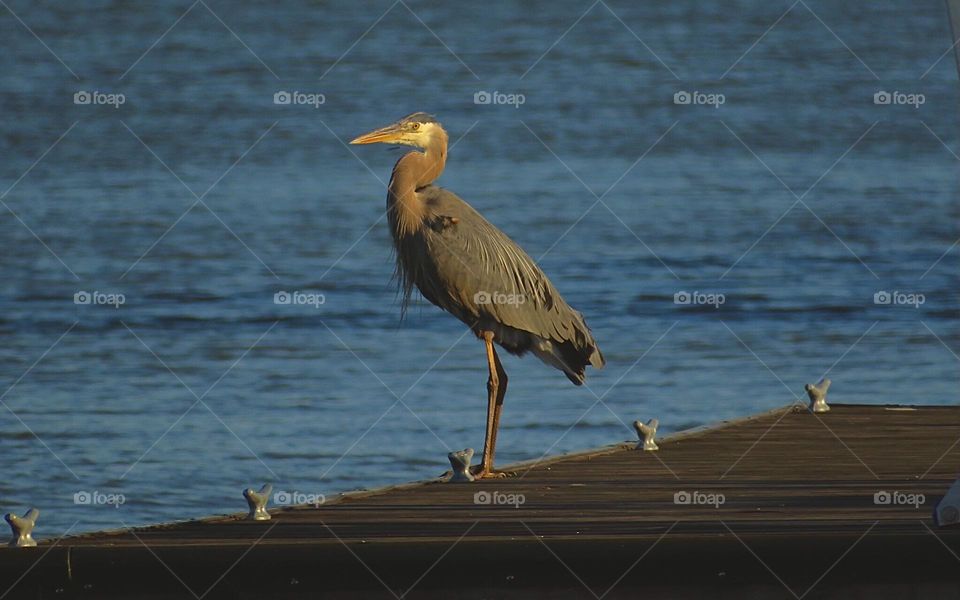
474 271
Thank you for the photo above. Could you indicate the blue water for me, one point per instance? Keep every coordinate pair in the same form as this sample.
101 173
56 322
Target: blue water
344 395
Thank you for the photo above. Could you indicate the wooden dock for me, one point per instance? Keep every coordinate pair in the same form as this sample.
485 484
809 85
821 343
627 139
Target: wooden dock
786 504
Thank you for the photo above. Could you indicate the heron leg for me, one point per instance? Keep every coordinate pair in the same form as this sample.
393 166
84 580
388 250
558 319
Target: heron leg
501 394
494 400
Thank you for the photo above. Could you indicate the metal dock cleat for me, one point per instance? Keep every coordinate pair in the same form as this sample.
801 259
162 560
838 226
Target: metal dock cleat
460 462
257 501
948 510
818 395
648 434
22 528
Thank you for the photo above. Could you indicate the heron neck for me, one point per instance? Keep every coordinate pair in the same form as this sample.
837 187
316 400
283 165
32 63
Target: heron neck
412 172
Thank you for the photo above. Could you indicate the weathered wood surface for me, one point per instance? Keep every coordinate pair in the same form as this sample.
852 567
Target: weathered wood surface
798 515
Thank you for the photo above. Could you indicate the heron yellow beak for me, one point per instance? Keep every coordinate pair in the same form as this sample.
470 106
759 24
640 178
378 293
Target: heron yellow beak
390 133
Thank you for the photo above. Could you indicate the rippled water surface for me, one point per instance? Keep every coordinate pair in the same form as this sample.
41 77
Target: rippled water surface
198 199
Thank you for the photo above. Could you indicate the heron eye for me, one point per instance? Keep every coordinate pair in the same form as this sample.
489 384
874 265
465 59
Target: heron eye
415 126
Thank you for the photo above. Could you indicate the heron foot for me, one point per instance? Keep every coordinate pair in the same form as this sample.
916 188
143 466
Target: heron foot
481 472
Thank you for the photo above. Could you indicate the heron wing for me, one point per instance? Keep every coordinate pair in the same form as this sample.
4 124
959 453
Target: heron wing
473 270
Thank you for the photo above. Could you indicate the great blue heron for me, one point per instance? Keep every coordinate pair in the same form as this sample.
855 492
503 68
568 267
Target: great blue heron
472 270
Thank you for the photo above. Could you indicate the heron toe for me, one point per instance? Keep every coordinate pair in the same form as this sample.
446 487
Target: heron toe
479 472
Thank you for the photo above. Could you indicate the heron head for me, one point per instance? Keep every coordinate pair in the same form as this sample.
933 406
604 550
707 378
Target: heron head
418 130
